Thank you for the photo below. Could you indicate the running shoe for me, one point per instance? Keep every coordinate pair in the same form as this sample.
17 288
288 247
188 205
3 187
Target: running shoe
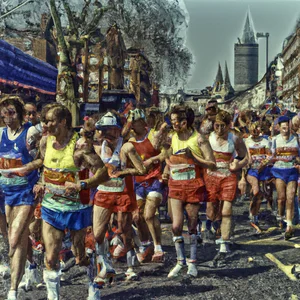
131 275
175 272
94 292
192 269
146 255
289 234
158 257
12 295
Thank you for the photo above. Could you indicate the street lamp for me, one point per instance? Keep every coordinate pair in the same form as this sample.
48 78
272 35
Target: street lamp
265 35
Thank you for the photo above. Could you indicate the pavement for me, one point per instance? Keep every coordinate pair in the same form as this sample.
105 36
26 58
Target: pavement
263 266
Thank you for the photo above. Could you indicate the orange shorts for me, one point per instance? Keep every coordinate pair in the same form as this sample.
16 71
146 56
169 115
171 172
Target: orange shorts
221 188
188 191
115 201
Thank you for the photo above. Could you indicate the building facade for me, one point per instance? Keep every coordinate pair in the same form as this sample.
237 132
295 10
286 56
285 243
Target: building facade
291 69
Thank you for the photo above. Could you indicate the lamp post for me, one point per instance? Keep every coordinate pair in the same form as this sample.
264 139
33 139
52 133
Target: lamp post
266 36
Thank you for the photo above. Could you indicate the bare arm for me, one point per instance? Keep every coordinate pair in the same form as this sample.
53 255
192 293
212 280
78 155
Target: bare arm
88 159
241 160
208 162
128 152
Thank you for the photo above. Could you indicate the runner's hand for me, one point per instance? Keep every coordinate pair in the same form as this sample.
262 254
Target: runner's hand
165 177
72 188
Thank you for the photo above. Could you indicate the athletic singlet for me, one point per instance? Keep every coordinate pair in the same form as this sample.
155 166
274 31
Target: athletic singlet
181 166
258 150
14 154
59 168
113 185
146 150
223 154
285 151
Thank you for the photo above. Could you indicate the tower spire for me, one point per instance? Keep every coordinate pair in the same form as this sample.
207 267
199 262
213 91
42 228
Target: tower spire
219 79
249 34
227 84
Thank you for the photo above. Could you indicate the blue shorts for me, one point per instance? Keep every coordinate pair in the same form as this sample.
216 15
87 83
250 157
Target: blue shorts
265 174
19 196
153 188
287 175
68 220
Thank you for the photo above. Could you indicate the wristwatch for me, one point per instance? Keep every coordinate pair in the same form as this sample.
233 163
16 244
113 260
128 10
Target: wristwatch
83 185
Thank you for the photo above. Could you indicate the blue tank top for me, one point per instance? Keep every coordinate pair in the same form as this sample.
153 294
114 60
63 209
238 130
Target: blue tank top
14 154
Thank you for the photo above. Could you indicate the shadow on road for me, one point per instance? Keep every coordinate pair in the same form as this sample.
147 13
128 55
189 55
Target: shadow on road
167 290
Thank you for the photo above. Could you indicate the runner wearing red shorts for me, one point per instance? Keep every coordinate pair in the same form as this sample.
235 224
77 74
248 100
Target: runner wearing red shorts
115 195
231 155
189 154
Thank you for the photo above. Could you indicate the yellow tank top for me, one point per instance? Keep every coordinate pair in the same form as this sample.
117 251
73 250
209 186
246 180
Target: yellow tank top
191 143
62 159
59 167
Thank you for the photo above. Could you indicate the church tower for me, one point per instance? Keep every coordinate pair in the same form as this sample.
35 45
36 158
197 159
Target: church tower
246 57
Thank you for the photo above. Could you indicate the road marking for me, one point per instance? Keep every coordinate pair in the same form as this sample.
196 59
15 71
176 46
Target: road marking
284 268
269 241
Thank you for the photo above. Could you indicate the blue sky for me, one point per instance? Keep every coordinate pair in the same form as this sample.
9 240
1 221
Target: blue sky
216 24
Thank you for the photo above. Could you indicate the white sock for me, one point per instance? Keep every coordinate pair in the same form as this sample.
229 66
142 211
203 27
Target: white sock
158 248
289 223
12 293
224 248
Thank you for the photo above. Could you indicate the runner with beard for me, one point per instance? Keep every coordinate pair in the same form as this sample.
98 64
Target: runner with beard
115 196
231 156
66 203
259 152
190 152
285 149
148 188
19 199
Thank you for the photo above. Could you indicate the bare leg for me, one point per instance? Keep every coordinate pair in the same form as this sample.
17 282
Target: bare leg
192 212
226 220
290 195
53 241
101 218
151 219
177 216
256 199
78 246
281 196
139 220
18 219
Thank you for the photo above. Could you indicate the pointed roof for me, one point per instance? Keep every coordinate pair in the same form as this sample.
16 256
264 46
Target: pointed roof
219 77
249 34
219 80
227 82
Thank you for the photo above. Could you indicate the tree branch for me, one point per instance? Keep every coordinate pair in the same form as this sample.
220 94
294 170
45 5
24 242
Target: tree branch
73 26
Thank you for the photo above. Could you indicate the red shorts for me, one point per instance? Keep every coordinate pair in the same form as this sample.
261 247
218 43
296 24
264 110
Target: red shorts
221 188
115 201
188 191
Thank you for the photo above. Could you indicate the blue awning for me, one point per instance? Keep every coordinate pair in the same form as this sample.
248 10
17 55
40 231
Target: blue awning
20 69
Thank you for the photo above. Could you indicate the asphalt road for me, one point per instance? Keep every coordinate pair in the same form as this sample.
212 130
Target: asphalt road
259 267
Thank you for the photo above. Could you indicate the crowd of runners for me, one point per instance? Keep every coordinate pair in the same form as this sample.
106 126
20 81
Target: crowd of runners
98 191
